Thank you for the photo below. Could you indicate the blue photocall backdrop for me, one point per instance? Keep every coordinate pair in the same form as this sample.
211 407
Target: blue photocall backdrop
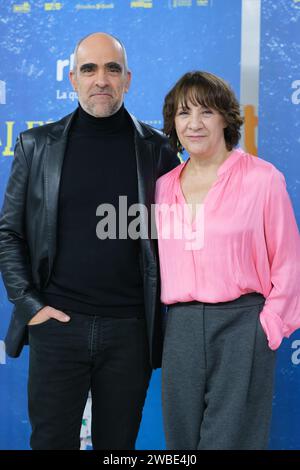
279 142
164 39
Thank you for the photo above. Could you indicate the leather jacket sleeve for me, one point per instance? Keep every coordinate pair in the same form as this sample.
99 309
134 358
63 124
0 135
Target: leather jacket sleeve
14 254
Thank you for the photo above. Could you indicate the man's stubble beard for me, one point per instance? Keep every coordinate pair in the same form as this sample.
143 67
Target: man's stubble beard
106 110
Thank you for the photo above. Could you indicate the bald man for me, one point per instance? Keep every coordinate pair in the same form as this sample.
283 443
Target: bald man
84 286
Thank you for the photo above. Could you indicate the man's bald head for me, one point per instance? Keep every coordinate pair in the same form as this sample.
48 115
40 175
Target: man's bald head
100 36
100 75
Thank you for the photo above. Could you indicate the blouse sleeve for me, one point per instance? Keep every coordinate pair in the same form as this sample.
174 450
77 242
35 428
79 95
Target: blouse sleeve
281 313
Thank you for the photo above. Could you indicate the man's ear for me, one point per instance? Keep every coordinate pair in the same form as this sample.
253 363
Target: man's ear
128 81
72 78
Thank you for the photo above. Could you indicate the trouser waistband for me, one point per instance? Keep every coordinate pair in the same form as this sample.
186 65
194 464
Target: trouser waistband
254 298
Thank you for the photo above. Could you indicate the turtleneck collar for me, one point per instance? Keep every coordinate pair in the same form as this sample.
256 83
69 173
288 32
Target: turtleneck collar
106 125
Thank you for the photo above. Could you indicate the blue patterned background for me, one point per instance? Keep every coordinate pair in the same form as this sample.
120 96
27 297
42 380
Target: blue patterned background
279 142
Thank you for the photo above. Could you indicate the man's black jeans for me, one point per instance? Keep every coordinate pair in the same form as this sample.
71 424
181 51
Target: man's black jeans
108 356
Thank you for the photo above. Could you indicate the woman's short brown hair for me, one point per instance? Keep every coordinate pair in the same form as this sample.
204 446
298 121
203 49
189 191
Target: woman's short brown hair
210 91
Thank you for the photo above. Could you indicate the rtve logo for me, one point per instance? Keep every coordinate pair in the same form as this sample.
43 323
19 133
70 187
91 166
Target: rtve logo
63 66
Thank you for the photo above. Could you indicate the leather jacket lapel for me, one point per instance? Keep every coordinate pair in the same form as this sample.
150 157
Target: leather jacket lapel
144 151
55 152
146 175
145 164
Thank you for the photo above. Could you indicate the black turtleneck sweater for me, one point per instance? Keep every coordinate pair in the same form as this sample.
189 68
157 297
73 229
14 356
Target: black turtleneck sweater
90 275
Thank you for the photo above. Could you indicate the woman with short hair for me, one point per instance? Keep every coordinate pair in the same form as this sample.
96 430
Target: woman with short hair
229 259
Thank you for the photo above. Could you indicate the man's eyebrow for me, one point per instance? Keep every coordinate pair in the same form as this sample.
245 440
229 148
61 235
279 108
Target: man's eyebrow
89 65
113 64
109 65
